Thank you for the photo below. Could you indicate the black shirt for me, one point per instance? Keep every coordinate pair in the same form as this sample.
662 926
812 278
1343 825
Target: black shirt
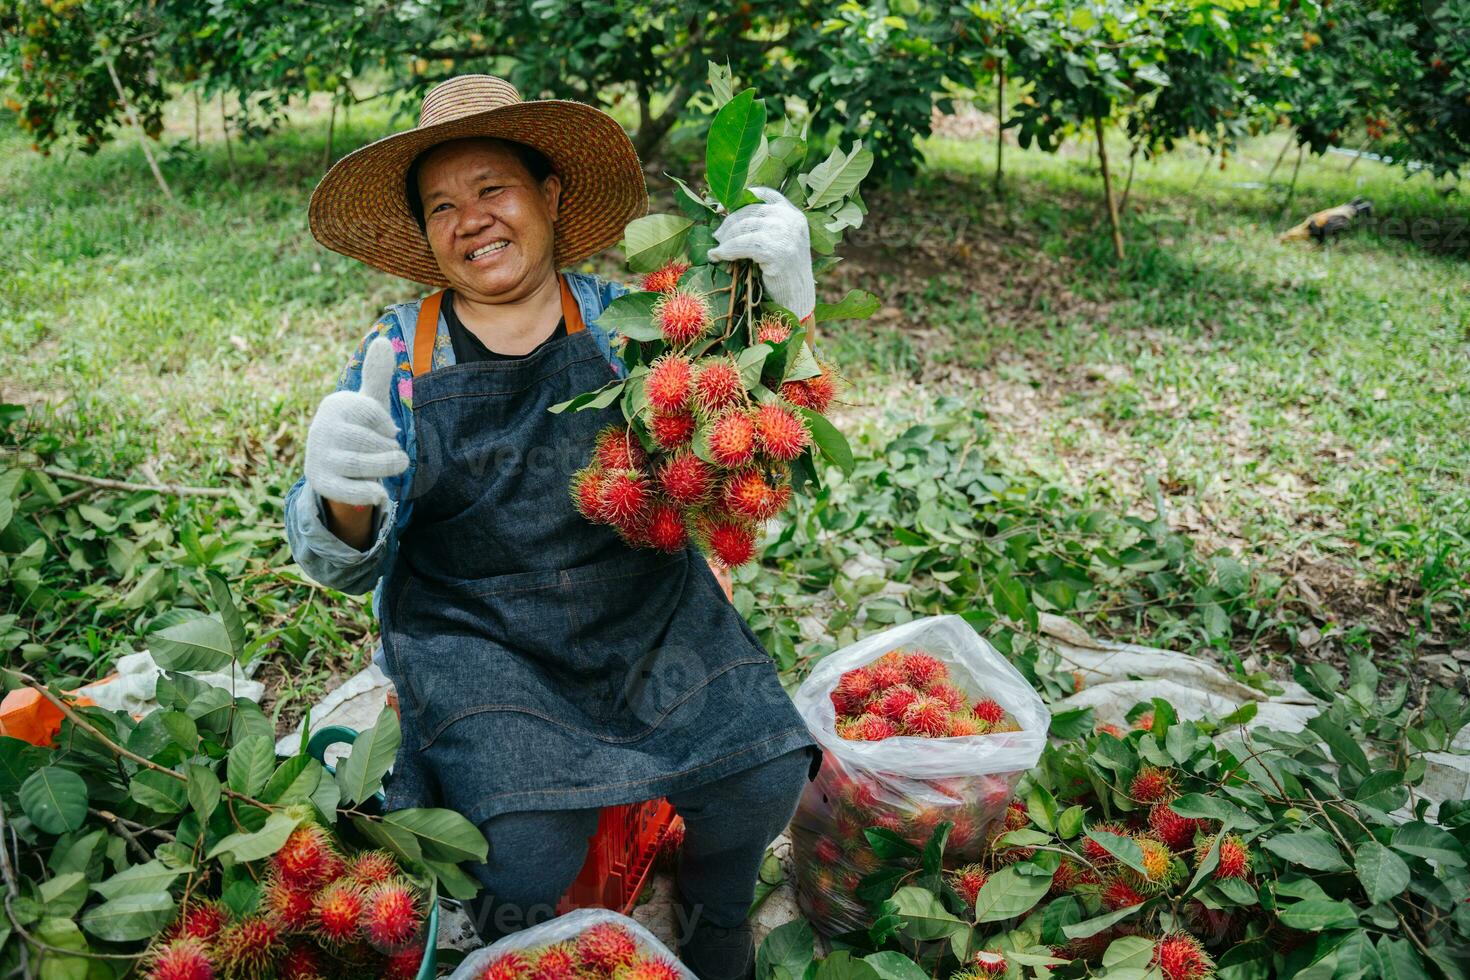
468 348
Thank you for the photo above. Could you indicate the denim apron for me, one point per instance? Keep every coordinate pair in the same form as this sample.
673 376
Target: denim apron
542 663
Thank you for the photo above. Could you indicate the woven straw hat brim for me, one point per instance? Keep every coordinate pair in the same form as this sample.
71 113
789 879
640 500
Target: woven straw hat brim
359 209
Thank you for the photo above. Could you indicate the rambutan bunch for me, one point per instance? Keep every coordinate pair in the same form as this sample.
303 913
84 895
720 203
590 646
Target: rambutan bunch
1179 956
183 958
912 691
604 948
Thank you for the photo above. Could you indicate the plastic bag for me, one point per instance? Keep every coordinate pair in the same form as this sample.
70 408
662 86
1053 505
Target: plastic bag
905 784
566 929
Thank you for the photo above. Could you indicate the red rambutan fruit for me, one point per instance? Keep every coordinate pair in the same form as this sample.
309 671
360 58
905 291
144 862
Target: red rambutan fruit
665 279
779 433
1235 856
771 329
894 701
1110 729
1152 785
405 963
967 882
625 497
1160 871
869 728
200 919
587 486
732 439
1179 956
746 494
665 528
669 382
682 316
372 867
856 685
813 393
964 832
1213 927
670 430
249 949
717 384
962 724
990 962
1144 722
842 705
993 791
303 961
954 699
1118 894
731 542
393 914
651 968
182 958
617 448
686 479
1094 851
308 857
923 669
507 966
605 947
988 710
826 850
1017 818
1176 831
886 674
292 906
339 909
927 717
555 962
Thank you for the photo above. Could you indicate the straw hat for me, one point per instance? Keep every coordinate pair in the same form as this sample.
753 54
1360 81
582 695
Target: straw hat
359 209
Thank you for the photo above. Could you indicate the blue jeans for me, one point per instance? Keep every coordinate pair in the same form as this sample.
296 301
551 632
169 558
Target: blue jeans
535 856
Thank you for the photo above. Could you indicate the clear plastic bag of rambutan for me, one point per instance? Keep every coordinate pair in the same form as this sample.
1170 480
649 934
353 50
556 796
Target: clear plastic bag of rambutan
315 910
723 408
586 944
921 725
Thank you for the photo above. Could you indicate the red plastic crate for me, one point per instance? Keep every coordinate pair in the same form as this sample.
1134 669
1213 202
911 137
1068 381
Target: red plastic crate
620 856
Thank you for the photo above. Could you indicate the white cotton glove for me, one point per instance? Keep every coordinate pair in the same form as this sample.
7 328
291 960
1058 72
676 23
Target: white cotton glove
352 443
774 236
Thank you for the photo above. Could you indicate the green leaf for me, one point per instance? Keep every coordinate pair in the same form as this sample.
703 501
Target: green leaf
224 604
293 781
631 316
1210 863
891 965
360 776
887 845
1344 748
841 966
1007 894
733 137
250 764
858 304
831 442
18 760
1317 914
653 240
1125 849
1428 841
1009 596
159 791
54 799
395 839
443 835
837 176
64 894
1041 806
202 791
1091 927
751 362
200 643
1399 960
452 881
1383 873
269 839
1069 824
601 398
140 879
131 917
1129 952
924 916
1239 892
788 946
1312 848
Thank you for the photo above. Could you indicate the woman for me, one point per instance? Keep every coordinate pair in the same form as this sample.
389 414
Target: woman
544 668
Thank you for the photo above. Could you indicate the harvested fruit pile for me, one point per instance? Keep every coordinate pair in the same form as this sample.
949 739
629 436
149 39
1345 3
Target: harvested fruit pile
909 693
600 952
320 913
711 454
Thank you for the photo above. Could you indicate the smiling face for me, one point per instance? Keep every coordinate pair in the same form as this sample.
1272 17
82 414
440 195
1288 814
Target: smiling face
489 222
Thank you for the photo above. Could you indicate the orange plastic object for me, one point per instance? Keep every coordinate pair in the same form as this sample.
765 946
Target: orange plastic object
25 715
620 856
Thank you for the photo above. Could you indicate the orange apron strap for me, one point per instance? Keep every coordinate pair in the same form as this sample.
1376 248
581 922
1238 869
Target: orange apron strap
425 333
570 311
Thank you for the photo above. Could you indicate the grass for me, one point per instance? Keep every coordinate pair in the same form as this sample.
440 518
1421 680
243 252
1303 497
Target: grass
1303 408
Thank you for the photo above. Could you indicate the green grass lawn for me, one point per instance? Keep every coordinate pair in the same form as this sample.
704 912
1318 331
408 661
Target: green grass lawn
1302 409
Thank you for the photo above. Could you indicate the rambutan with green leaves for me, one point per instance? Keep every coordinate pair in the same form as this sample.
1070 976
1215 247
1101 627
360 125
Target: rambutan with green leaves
665 279
682 316
1152 784
181 958
250 948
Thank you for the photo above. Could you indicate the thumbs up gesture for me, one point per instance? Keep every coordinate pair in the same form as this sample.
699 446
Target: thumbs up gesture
352 443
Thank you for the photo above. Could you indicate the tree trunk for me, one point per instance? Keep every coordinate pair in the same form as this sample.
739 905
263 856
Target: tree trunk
1128 184
1102 159
142 134
198 143
653 129
1279 157
331 131
1291 191
224 122
1000 140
